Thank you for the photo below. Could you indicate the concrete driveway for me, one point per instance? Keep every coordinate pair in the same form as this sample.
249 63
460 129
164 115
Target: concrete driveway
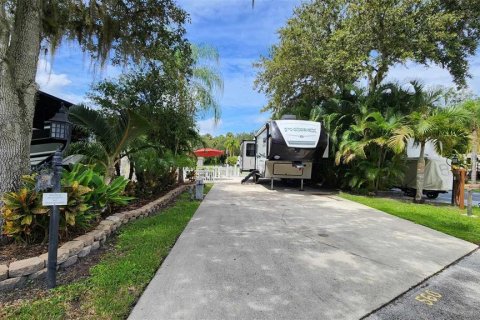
252 253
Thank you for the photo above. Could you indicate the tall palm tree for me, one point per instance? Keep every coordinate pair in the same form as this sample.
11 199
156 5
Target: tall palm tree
473 124
206 81
203 86
429 123
110 135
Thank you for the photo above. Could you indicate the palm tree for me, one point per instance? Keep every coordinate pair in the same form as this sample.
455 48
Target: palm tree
110 135
203 85
231 144
473 123
429 123
367 139
206 81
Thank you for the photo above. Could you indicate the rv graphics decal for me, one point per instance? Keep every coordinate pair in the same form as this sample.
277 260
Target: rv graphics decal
300 134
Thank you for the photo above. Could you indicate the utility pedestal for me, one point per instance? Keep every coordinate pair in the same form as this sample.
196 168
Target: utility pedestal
199 189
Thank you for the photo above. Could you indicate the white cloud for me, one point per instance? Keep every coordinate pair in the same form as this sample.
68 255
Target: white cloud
209 126
434 75
48 80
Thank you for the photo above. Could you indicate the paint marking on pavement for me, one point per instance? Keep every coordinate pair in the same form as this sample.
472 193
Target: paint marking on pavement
428 297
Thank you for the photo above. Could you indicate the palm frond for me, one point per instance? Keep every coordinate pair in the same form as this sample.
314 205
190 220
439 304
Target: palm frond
92 122
93 151
398 141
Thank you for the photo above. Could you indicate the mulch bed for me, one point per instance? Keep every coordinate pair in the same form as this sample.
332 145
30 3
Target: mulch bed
13 251
16 251
137 203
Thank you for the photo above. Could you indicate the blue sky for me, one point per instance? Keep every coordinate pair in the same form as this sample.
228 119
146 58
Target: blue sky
241 35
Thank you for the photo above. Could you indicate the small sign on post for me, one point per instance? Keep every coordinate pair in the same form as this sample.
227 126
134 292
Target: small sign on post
55 199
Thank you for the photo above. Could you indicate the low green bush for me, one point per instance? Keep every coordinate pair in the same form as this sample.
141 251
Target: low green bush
232 160
101 197
154 174
26 220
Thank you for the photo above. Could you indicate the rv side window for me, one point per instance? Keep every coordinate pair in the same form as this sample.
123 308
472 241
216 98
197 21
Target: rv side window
250 150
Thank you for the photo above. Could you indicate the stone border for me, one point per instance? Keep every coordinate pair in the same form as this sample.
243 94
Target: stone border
18 272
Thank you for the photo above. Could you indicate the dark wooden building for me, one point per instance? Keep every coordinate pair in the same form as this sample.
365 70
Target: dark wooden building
42 147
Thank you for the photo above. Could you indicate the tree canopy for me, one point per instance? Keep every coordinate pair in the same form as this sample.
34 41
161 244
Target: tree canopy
329 44
122 31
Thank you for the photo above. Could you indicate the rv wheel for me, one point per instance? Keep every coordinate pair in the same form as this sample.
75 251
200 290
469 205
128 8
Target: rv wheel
432 195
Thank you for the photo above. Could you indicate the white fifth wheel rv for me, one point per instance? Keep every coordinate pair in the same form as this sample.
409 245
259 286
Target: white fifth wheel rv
285 149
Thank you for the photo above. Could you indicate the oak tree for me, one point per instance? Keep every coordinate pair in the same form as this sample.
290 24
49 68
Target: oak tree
329 44
124 31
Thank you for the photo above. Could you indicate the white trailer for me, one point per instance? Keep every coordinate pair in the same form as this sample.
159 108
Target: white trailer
285 149
438 177
438 173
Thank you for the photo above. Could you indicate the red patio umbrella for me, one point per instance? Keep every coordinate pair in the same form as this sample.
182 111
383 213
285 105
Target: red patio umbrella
208 152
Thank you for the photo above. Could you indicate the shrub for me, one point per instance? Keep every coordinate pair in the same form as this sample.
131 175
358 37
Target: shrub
232 160
24 217
27 220
191 175
76 213
101 196
154 173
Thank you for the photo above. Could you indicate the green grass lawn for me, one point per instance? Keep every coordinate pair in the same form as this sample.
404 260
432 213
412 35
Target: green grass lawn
120 278
449 220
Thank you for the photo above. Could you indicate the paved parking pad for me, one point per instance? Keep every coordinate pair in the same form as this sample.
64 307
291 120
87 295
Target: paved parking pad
452 294
253 253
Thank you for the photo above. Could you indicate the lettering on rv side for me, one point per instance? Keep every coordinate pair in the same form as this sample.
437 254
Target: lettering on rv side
312 130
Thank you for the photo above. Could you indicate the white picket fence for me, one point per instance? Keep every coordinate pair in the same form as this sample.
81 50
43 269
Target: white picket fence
216 173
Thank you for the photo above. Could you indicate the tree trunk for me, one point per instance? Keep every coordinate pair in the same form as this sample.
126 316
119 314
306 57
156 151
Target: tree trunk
420 173
117 168
474 169
180 175
19 51
132 170
109 174
379 166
